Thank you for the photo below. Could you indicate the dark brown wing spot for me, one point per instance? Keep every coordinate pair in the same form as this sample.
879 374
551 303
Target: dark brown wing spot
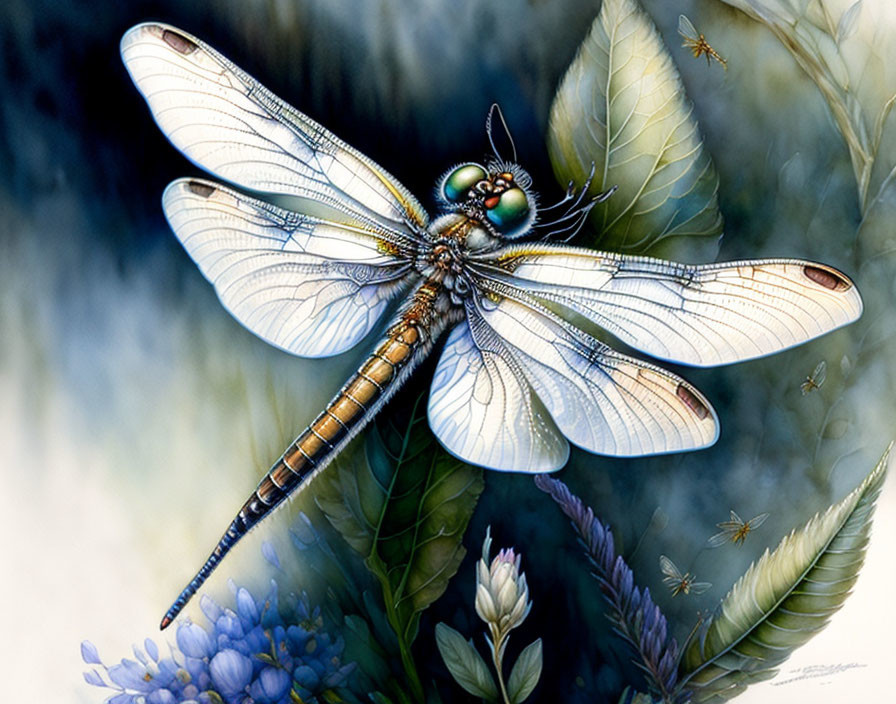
200 189
691 401
178 42
829 278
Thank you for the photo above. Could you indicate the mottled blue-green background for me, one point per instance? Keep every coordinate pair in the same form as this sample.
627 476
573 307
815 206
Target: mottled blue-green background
136 415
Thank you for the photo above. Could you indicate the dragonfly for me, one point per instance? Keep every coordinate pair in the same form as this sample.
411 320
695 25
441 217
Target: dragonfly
815 379
680 583
697 43
518 379
736 529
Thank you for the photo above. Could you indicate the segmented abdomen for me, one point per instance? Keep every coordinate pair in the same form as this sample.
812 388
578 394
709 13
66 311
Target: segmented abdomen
406 343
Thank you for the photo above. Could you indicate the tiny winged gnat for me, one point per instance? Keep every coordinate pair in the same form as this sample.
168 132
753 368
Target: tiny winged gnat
315 281
680 583
735 530
697 43
815 379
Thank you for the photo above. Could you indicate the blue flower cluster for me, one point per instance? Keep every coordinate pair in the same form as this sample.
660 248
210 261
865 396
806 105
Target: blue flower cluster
248 656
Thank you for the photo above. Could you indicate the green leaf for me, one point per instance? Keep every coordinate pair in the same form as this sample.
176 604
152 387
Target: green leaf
622 107
403 503
465 663
783 599
525 673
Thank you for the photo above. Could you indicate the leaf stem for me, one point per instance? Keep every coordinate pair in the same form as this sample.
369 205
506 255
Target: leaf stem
404 647
497 651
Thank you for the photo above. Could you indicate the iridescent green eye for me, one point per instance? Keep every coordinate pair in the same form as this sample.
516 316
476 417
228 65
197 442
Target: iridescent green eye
461 180
510 210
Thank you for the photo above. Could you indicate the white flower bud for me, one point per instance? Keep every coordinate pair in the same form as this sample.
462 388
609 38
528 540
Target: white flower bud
485 607
502 595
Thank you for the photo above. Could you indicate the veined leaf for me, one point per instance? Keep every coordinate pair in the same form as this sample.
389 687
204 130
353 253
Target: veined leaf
622 107
784 598
403 503
525 673
465 663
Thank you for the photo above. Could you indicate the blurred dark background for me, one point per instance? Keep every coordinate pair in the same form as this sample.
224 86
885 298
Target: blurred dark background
136 415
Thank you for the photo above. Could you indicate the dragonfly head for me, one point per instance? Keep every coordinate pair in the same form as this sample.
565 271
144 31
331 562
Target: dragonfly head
497 194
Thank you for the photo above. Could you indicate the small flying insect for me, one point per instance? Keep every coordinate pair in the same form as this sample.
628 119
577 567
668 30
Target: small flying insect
680 583
816 379
697 43
736 530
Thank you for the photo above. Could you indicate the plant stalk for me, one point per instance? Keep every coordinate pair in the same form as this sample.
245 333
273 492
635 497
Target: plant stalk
497 660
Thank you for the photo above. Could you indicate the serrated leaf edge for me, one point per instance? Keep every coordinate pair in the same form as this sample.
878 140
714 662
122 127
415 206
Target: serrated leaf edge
827 524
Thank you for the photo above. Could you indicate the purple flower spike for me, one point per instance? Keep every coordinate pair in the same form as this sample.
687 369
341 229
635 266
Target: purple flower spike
634 615
193 641
230 671
89 653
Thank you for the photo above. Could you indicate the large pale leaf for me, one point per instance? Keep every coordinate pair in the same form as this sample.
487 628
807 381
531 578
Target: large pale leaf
622 108
784 598
403 503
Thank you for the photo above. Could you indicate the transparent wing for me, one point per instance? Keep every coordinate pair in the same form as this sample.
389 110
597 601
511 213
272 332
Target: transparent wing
729 530
483 409
698 315
672 575
311 287
226 122
757 521
686 28
602 401
699 587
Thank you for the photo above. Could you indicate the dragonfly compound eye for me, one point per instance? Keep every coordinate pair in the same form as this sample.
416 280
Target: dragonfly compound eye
509 210
461 180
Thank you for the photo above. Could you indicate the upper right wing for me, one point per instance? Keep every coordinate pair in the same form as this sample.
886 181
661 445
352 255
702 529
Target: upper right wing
703 315
309 286
228 123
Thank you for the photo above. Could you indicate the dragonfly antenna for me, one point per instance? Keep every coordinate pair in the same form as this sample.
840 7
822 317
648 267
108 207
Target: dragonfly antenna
495 108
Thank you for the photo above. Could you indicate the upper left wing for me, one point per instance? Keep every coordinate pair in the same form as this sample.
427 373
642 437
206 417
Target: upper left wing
228 123
703 315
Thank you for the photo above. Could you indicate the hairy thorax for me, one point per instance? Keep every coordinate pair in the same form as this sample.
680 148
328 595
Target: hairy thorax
454 237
